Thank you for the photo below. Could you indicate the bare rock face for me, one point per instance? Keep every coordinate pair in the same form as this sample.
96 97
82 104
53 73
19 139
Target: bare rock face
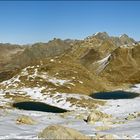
25 120
61 132
97 116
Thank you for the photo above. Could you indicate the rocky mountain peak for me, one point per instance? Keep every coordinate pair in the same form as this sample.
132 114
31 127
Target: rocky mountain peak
101 35
124 36
126 40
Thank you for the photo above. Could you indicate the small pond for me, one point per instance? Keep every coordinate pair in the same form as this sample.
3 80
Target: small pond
38 106
114 95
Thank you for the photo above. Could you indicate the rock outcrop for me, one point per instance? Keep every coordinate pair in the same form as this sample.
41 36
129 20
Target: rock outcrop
97 116
133 116
25 120
104 137
61 132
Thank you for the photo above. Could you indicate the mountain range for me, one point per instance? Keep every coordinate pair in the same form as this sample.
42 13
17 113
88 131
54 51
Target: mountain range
101 62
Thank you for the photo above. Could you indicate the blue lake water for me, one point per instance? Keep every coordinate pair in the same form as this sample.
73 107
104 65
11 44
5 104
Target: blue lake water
38 106
114 95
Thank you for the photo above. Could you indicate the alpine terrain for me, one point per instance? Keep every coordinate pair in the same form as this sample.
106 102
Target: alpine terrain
55 82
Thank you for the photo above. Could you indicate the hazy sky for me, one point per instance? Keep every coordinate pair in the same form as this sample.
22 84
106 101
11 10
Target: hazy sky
28 22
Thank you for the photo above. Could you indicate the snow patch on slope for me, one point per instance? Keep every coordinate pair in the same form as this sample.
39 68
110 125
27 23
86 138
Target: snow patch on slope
58 81
122 107
10 130
102 64
134 88
3 100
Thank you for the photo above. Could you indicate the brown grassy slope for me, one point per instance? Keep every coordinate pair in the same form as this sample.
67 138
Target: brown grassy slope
63 67
30 55
124 65
7 51
39 51
84 81
91 50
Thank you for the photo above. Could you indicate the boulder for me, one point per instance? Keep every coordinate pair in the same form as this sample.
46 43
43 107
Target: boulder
92 118
102 128
132 116
107 137
25 120
97 116
104 137
61 132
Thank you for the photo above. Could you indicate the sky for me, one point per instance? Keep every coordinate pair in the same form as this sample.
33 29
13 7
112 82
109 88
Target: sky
26 22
